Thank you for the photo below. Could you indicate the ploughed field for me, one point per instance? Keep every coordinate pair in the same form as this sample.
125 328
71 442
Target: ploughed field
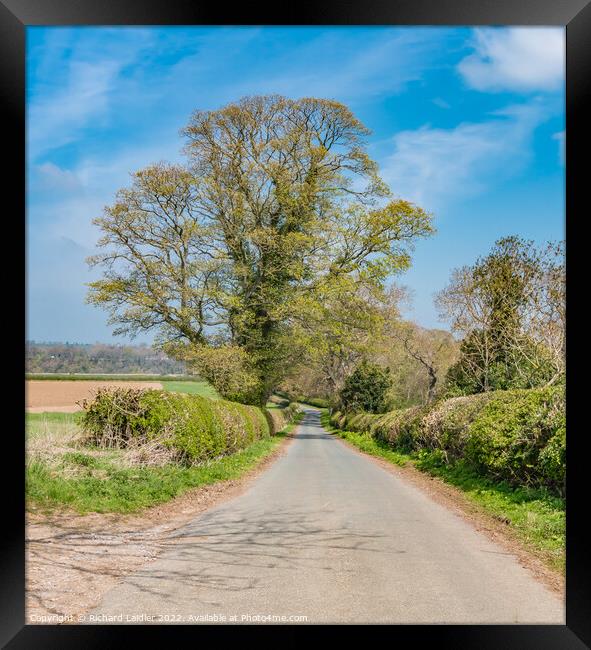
63 395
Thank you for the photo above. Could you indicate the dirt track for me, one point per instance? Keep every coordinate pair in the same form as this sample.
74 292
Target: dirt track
62 395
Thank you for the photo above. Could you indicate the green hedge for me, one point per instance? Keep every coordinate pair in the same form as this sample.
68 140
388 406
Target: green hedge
195 427
517 436
318 402
520 436
279 418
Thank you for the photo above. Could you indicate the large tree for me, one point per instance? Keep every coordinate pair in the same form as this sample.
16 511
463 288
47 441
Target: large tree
509 309
431 353
278 205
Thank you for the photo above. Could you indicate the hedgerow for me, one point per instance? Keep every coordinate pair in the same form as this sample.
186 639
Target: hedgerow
445 425
279 418
516 436
400 428
520 436
194 428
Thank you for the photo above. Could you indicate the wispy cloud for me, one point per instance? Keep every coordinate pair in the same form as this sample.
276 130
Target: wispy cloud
516 58
80 94
438 101
386 63
64 201
435 166
561 137
57 120
50 176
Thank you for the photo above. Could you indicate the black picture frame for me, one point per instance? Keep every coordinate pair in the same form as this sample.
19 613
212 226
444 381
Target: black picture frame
16 15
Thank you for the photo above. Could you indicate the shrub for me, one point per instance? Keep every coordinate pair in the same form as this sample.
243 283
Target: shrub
281 402
553 460
319 402
361 422
399 428
532 367
228 368
194 427
366 389
517 436
445 426
335 418
279 418
108 419
520 437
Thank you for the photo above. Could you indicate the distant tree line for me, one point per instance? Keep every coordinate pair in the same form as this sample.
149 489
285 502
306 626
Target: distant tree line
99 358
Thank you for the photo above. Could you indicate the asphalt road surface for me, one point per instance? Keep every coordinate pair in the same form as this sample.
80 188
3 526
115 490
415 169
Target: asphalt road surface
327 534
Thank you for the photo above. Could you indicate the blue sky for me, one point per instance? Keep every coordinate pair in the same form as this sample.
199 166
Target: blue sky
468 123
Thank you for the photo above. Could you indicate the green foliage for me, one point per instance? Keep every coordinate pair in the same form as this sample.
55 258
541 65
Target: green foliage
532 367
275 401
278 209
194 428
372 446
510 309
228 368
319 402
445 426
520 436
279 418
516 436
366 389
399 428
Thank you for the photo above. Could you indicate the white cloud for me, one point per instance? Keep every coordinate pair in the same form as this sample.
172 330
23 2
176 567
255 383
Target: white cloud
435 167
80 91
62 203
384 64
561 137
441 103
57 119
516 58
50 176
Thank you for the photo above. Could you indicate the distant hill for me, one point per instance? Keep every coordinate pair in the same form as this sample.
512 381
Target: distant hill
99 358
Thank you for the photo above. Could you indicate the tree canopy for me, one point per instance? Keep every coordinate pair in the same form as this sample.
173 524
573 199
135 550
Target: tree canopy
366 389
509 308
277 213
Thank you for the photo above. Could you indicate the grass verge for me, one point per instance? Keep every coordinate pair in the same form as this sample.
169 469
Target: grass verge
87 482
535 517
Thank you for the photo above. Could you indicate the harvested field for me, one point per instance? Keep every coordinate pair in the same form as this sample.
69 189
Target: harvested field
61 396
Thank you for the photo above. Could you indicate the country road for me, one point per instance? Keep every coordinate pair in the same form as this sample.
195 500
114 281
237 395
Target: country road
327 534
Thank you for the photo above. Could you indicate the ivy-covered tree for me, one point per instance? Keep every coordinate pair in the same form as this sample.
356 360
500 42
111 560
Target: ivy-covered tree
278 205
509 309
366 389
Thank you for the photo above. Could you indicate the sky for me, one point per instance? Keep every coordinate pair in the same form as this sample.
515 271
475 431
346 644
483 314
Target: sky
469 123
